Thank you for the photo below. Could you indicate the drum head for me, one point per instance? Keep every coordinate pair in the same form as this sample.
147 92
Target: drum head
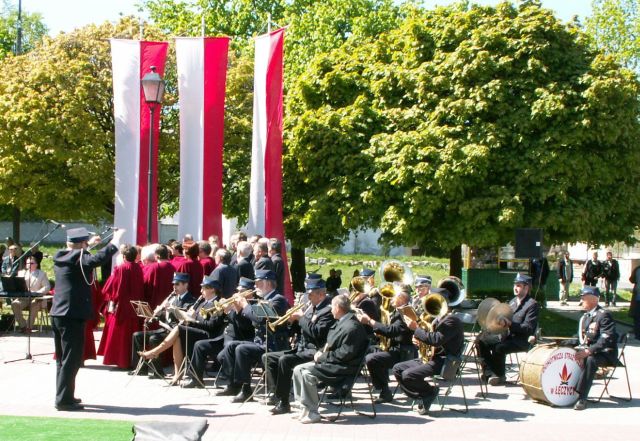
554 372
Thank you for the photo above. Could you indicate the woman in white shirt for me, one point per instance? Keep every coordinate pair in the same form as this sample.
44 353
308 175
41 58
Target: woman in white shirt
37 282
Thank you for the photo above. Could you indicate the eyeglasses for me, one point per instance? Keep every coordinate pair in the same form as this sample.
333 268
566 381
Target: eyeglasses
32 263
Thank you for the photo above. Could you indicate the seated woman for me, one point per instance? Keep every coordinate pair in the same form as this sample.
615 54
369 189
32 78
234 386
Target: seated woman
37 282
204 327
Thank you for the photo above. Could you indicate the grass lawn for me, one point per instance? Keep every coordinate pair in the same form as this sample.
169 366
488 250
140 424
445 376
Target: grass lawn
61 429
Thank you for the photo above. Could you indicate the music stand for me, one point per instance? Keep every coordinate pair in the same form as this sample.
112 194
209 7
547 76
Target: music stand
186 367
263 310
143 310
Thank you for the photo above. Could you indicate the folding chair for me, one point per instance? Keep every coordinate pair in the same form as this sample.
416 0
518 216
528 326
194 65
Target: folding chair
471 354
621 362
451 375
345 391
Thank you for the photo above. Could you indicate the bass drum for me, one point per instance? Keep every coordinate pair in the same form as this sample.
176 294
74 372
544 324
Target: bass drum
550 375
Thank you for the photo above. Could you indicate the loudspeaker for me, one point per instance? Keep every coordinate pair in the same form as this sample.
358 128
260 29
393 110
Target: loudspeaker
528 243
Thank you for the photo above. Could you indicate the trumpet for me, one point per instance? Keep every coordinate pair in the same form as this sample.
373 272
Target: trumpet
218 307
285 317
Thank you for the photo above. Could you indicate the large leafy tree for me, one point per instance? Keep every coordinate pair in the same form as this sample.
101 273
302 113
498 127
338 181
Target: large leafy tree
33 29
464 124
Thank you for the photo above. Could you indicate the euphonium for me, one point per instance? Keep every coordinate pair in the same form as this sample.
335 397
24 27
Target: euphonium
396 271
434 306
359 285
387 292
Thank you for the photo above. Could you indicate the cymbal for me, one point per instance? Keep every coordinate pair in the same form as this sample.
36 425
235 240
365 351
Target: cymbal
496 314
483 309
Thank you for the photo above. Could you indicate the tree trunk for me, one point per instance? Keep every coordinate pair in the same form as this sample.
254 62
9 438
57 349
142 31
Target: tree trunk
298 270
16 224
455 261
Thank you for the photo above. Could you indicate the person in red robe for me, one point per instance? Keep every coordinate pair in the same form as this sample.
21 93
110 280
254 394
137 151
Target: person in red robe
177 254
191 265
206 261
158 277
124 284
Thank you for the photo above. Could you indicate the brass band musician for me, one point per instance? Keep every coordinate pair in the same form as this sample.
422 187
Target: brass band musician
314 324
401 347
447 339
239 357
423 288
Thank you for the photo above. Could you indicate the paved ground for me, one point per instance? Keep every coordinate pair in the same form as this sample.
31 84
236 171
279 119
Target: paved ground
28 389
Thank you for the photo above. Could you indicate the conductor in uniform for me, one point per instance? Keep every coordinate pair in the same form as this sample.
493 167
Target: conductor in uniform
73 268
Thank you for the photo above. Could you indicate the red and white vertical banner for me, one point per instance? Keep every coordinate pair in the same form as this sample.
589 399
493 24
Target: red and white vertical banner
265 205
202 77
131 60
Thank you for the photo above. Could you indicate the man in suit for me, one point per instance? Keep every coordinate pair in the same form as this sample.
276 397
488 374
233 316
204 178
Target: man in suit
598 341
592 270
340 359
225 274
611 275
447 338
401 348
73 268
243 266
261 252
565 277
314 321
238 358
275 250
515 338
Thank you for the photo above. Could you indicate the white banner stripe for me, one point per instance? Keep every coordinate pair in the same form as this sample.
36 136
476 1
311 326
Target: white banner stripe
256 223
125 56
190 63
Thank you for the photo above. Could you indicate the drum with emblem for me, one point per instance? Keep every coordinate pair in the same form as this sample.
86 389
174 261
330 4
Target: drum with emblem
550 375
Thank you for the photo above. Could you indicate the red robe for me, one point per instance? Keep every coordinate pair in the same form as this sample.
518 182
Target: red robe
124 284
158 282
208 265
194 269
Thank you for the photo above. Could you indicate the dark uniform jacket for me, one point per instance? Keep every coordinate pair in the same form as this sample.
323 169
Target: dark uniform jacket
183 301
245 269
598 332
227 276
264 263
314 328
397 330
238 328
72 293
447 336
592 270
277 341
347 343
212 324
278 268
525 320
611 270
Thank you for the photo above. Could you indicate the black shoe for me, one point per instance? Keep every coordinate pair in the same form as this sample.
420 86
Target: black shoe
153 376
385 397
244 395
229 391
69 407
580 405
192 383
272 400
77 400
281 408
427 400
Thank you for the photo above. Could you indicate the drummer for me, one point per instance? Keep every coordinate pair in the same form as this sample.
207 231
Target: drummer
598 342
515 338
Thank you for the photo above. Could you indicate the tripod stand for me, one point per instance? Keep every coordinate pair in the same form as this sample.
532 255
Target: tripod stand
28 356
143 311
186 367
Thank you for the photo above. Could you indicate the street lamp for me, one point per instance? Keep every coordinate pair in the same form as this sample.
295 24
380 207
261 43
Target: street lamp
153 89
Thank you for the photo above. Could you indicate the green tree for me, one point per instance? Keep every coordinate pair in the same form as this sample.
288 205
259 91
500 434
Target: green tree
615 27
33 29
464 124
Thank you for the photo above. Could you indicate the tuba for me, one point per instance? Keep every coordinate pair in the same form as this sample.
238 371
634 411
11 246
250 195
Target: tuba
387 292
357 286
394 271
456 289
434 306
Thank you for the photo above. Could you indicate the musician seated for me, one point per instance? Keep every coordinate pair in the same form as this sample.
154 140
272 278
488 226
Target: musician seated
179 298
598 342
347 343
182 337
494 348
239 357
445 340
38 284
423 287
397 337
236 329
314 321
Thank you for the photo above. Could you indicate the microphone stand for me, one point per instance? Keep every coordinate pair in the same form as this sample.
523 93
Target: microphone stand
28 355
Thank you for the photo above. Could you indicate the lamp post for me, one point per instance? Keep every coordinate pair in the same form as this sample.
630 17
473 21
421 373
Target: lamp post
153 89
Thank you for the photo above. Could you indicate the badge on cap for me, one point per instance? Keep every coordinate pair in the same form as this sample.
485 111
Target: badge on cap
523 279
423 280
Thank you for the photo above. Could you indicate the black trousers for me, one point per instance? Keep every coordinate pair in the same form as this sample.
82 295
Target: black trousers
203 350
68 337
279 367
154 338
494 355
412 376
591 365
237 358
